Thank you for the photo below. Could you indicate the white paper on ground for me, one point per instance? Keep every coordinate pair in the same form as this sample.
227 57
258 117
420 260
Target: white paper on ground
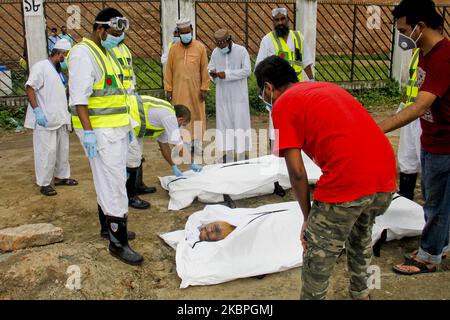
239 180
270 243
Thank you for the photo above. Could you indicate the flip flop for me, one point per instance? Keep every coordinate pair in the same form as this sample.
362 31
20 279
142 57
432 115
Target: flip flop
66 182
48 191
412 255
413 263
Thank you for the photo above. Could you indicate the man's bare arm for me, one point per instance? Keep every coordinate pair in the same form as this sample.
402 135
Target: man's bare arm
423 102
299 179
32 97
83 114
166 152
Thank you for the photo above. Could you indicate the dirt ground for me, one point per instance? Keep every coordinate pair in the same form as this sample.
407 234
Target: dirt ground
41 273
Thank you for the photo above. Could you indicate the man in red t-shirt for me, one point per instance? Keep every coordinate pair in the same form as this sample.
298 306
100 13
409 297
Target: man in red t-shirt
358 165
419 25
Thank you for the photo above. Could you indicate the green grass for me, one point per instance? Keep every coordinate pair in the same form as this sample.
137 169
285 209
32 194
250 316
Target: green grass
379 98
339 70
12 118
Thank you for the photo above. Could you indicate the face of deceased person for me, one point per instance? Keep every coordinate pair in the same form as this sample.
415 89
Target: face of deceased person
215 231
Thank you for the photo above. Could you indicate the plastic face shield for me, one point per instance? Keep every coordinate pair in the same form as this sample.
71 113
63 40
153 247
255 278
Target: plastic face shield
117 23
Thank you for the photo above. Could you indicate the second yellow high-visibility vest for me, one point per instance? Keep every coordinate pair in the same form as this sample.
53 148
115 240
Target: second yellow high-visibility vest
123 56
139 106
412 88
107 105
283 51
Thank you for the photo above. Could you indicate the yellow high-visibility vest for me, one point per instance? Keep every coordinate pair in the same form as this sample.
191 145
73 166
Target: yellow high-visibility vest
283 51
123 56
139 106
107 105
412 88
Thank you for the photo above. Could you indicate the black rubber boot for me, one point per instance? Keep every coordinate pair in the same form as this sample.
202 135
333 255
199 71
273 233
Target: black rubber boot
133 200
104 226
407 185
141 188
118 241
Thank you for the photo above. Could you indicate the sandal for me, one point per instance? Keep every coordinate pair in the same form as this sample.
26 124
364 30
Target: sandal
412 255
421 266
66 182
48 191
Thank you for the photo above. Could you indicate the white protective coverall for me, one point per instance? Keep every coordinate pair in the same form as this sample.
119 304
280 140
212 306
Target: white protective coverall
232 104
408 153
109 165
51 144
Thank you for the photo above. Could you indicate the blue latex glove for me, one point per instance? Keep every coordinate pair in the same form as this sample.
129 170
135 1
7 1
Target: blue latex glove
196 167
40 117
90 143
176 171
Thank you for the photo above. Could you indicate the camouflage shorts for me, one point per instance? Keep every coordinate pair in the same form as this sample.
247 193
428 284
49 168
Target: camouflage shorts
330 226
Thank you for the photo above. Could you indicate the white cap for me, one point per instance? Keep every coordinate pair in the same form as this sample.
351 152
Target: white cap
183 23
277 11
62 44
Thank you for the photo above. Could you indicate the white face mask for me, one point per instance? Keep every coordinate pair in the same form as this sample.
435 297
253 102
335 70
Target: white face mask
406 42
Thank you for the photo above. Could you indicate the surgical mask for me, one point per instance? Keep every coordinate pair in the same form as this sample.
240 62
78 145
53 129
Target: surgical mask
186 38
267 105
63 64
112 41
176 39
406 42
225 50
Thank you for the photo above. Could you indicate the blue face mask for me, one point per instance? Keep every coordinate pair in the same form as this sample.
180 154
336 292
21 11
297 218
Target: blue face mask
267 105
112 41
186 38
176 39
63 64
225 50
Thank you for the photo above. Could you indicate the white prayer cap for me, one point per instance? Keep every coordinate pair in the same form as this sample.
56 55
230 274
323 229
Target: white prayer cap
183 23
62 44
277 11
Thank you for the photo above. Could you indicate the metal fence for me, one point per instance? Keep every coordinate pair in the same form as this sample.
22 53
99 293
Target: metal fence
445 12
248 20
350 47
143 38
354 42
13 69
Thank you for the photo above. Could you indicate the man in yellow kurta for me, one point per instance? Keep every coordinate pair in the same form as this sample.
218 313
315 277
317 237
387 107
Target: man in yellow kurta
186 79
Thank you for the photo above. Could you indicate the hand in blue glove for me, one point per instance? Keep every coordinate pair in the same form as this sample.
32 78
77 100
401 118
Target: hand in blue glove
90 143
196 167
40 117
176 171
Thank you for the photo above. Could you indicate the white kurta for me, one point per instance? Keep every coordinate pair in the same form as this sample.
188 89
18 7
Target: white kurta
50 95
51 144
267 49
109 165
232 104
